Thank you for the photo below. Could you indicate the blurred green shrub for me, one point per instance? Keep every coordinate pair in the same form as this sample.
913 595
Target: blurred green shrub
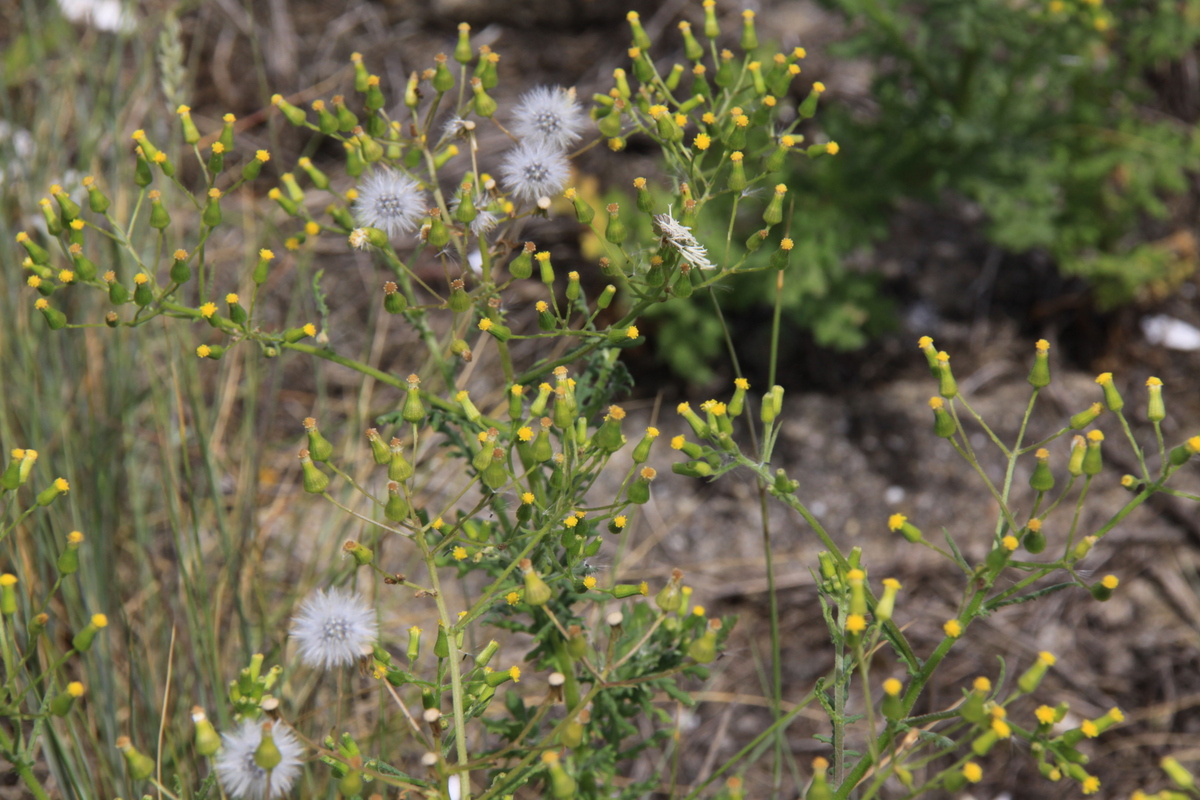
1040 113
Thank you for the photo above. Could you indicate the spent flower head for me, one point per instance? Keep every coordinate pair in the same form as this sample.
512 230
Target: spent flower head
242 778
680 237
333 628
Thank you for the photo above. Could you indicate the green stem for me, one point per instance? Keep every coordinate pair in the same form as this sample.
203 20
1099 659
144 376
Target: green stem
22 768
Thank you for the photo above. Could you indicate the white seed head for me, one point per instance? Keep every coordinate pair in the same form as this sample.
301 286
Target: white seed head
243 779
332 628
535 169
391 201
549 115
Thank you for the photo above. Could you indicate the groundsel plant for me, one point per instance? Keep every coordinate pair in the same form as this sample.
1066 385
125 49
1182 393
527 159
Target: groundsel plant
520 529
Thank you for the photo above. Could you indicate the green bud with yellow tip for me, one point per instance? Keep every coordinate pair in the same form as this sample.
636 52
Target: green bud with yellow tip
207 740
1075 462
562 785
1092 460
704 648
1155 408
892 706
140 766
1032 677
68 560
61 703
294 115
819 788
484 105
537 592
399 469
315 481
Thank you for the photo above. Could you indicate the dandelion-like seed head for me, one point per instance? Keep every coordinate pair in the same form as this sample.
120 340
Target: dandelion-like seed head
391 201
549 115
333 628
242 778
534 169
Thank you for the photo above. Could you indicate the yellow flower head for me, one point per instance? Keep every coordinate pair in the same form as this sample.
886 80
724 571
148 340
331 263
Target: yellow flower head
953 628
1045 714
896 522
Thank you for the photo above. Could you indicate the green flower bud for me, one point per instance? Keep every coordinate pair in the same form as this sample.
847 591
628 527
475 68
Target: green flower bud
68 560
704 648
1075 462
82 641
1086 417
749 37
361 554
294 115
208 742
972 707
947 386
725 70
55 319
1032 677
638 491
892 706
615 232
537 593
692 49
315 481
1092 461
808 107
1042 479
459 301
562 785
51 493
484 105
1102 589
670 598
97 202
399 469
1155 409
819 788
774 213
1034 540
140 765
899 523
